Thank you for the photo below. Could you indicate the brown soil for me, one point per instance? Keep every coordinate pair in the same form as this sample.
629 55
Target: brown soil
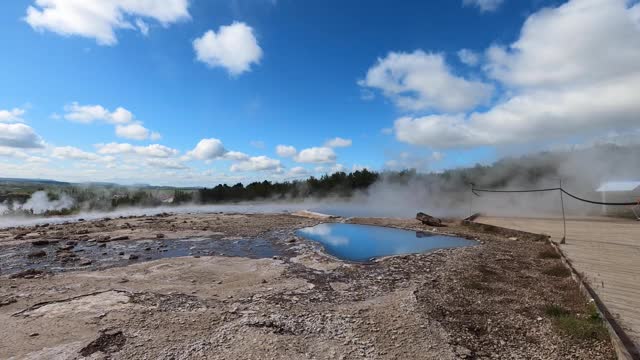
480 302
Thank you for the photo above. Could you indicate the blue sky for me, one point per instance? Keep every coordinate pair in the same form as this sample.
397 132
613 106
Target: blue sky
390 82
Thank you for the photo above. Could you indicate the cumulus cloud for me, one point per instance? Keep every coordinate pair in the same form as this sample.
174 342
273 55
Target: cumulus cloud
19 136
574 71
166 164
89 113
133 131
581 42
208 149
484 5
99 20
70 152
338 142
316 155
468 57
257 163
423 81
286 150
12 152
153 150
13 115
233 47
236 156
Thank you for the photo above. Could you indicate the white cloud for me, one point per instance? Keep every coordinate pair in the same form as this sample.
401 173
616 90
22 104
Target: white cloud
257 163
121 116
115 148
19 136
236 156
423 81
233 47
13 115
338 142
142 26
298 170
286 151
574 71
208 149
580 42
316 155
70 152
156 150
12 152
89 113
166 164
437 156
155 136
153 150
133 131
484 5
468 57
100 19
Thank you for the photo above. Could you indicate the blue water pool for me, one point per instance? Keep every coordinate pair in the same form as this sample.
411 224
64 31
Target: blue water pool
362 242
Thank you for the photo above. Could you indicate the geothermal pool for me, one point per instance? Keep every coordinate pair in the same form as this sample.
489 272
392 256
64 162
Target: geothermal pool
361 243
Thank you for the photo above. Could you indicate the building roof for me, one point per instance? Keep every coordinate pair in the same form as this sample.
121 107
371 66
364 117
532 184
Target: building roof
618 186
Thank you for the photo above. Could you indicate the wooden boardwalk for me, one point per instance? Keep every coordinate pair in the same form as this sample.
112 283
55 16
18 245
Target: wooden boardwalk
606 251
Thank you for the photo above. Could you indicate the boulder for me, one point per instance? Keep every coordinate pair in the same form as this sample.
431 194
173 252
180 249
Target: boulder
429 220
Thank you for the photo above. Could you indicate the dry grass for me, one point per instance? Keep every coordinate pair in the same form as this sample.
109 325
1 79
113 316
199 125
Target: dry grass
548 253
558 270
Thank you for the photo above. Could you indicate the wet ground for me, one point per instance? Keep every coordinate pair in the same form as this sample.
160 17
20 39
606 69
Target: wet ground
60 255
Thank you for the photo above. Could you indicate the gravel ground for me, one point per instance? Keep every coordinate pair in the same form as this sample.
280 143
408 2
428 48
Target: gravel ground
481 302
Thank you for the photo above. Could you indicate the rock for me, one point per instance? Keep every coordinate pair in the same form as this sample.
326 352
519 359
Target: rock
34 334
159 236
7 301
85 262
118 238
27 274
103 239
131 257
40 242
463 351
37 254
428 219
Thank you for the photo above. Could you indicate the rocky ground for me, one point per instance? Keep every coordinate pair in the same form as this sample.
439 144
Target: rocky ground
484 302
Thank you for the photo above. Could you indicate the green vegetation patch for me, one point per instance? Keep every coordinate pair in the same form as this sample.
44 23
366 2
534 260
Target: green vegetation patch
580 326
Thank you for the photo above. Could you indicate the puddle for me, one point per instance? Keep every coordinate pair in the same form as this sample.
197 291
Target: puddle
92 255
361 243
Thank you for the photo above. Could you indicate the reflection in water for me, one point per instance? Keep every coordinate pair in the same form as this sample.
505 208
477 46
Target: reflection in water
363 242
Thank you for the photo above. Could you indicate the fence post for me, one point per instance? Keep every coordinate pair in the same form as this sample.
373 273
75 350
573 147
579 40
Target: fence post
564 220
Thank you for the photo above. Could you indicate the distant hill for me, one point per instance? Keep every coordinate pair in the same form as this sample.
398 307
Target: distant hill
33 181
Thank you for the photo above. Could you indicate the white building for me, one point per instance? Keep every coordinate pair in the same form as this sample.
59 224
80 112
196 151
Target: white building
619 191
